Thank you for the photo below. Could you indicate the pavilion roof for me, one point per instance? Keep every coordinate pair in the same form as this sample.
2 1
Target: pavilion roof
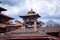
51 29
5 16
30 13
13 25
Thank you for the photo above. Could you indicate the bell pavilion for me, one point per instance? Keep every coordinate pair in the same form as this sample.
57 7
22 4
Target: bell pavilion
30 20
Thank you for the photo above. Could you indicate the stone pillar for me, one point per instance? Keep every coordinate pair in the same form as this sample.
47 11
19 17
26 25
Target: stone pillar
23 27
35 26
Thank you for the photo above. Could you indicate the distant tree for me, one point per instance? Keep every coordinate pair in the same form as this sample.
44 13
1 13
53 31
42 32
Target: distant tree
41 23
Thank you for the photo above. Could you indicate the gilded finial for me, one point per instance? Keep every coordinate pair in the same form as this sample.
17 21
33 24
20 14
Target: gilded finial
31 9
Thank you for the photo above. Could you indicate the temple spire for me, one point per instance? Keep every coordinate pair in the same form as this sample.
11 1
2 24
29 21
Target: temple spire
31 9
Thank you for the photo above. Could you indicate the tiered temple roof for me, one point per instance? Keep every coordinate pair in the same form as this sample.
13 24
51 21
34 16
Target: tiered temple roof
4 18
2 15
2 9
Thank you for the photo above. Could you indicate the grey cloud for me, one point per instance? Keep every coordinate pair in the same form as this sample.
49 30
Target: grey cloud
12 2
51 17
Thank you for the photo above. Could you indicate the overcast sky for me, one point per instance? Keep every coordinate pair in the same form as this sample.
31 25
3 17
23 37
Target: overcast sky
47 9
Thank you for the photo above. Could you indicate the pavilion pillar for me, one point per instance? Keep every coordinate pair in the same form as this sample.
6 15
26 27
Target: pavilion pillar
23 27
35 26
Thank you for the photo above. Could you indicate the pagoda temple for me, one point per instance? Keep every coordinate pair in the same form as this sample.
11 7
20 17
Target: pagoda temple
4 20
5 24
